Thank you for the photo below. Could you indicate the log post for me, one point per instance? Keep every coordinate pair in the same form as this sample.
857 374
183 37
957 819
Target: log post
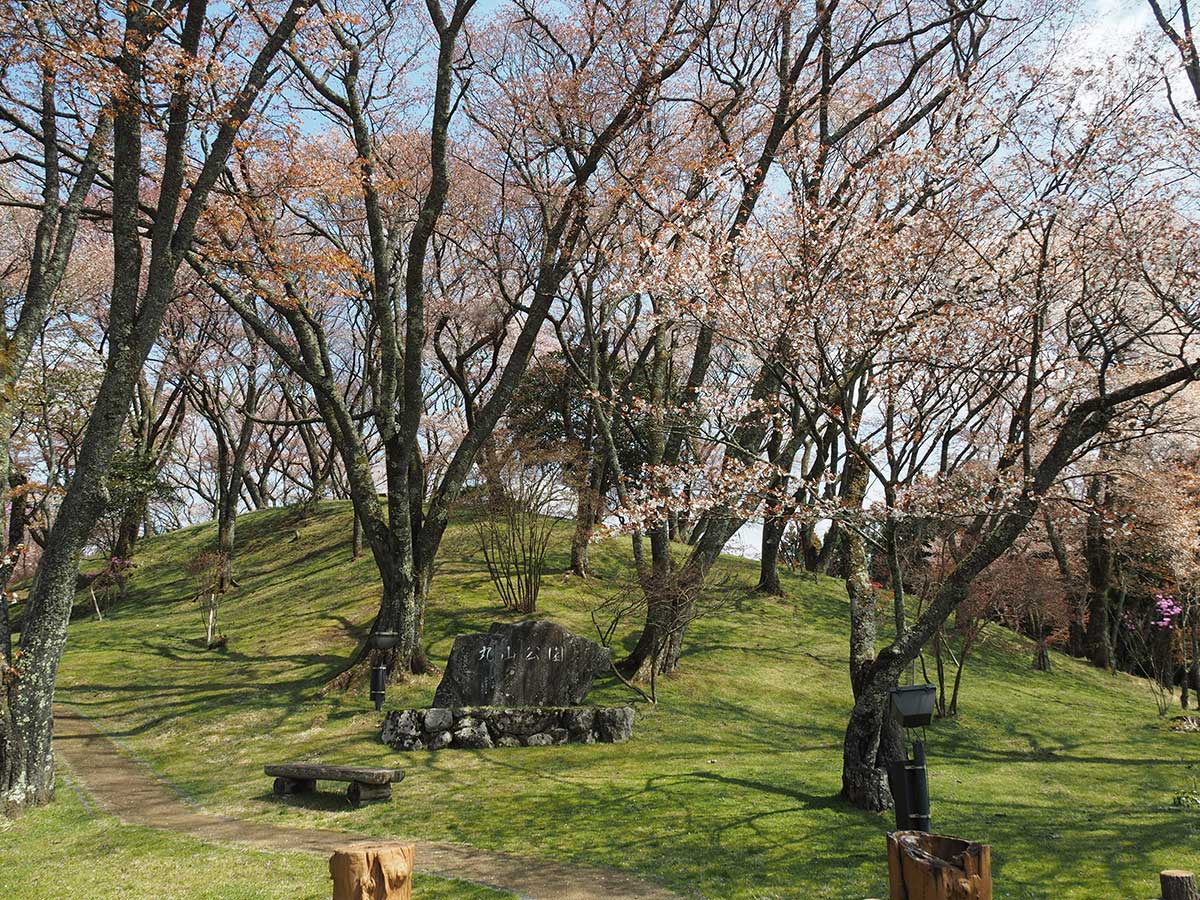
359 793
1178 885
936 867
372 871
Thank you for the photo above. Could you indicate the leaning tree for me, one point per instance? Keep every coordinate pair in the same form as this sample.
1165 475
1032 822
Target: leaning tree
173 125
1075 258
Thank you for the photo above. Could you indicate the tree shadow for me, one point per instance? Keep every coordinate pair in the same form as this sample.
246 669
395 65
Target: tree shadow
320 800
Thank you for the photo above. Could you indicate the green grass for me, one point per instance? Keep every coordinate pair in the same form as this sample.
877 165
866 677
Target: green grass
67 849
730 785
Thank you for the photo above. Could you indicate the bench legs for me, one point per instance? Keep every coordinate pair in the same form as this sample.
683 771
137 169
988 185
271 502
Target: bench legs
359 793
295 786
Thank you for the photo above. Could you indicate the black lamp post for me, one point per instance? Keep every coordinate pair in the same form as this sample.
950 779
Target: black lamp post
912 707
380 640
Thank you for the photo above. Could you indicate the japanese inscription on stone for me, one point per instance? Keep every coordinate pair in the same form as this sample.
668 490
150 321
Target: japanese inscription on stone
527 664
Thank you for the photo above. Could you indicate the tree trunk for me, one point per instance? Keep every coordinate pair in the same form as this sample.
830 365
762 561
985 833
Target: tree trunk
968 642
396 616
768 570
231 493
863 625
1076 638
581 541
5 632
1100 570
128 528
135 318
356 539
687 583
26 759
872 742
829 559
1185 680
13 531
587 515
1195 671
1177 884
683 603
491 468
17 508
813 549
226 532
1041 657
656 588
421 664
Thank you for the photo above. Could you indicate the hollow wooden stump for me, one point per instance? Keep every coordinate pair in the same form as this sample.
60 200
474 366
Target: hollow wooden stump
372 871
1178 885
936 867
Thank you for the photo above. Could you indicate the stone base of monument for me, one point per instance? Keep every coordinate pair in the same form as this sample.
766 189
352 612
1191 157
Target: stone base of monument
481 727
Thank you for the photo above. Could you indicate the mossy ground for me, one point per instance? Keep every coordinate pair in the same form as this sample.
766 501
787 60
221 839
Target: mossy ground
730 785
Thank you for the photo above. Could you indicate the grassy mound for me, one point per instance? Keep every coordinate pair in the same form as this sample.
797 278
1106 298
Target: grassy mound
730 786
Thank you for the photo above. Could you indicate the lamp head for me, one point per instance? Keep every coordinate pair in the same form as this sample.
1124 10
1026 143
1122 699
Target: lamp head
383 640
912 706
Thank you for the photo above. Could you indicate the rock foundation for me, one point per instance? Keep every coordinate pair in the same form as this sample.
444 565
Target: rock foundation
481 727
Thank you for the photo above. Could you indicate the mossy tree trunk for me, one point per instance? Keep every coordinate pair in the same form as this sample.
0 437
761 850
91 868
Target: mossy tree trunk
26 760
139 298
53 241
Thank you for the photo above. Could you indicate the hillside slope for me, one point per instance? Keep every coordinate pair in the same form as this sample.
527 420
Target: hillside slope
730 786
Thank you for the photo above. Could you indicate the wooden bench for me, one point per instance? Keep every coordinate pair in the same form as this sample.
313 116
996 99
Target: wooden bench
365 784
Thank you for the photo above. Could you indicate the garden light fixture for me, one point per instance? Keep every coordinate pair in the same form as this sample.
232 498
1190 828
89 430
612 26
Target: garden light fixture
378 641
911 707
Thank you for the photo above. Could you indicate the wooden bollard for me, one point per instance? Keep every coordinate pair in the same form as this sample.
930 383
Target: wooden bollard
1178 885
936 867
372 871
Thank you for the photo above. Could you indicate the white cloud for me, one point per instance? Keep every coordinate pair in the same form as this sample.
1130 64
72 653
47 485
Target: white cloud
1109 27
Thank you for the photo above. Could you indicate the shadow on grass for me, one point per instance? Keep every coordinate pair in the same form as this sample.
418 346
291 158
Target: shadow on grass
806 800
330 800
202 654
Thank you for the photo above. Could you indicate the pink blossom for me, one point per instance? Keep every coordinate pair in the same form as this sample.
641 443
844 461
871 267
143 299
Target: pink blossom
1166 611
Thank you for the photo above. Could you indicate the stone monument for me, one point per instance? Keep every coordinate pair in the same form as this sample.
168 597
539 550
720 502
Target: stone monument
526 664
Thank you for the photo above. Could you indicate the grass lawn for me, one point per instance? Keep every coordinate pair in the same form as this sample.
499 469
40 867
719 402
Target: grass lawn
69 850
730 785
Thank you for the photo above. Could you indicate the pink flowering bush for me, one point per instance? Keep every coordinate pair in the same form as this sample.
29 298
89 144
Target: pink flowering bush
1167 611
